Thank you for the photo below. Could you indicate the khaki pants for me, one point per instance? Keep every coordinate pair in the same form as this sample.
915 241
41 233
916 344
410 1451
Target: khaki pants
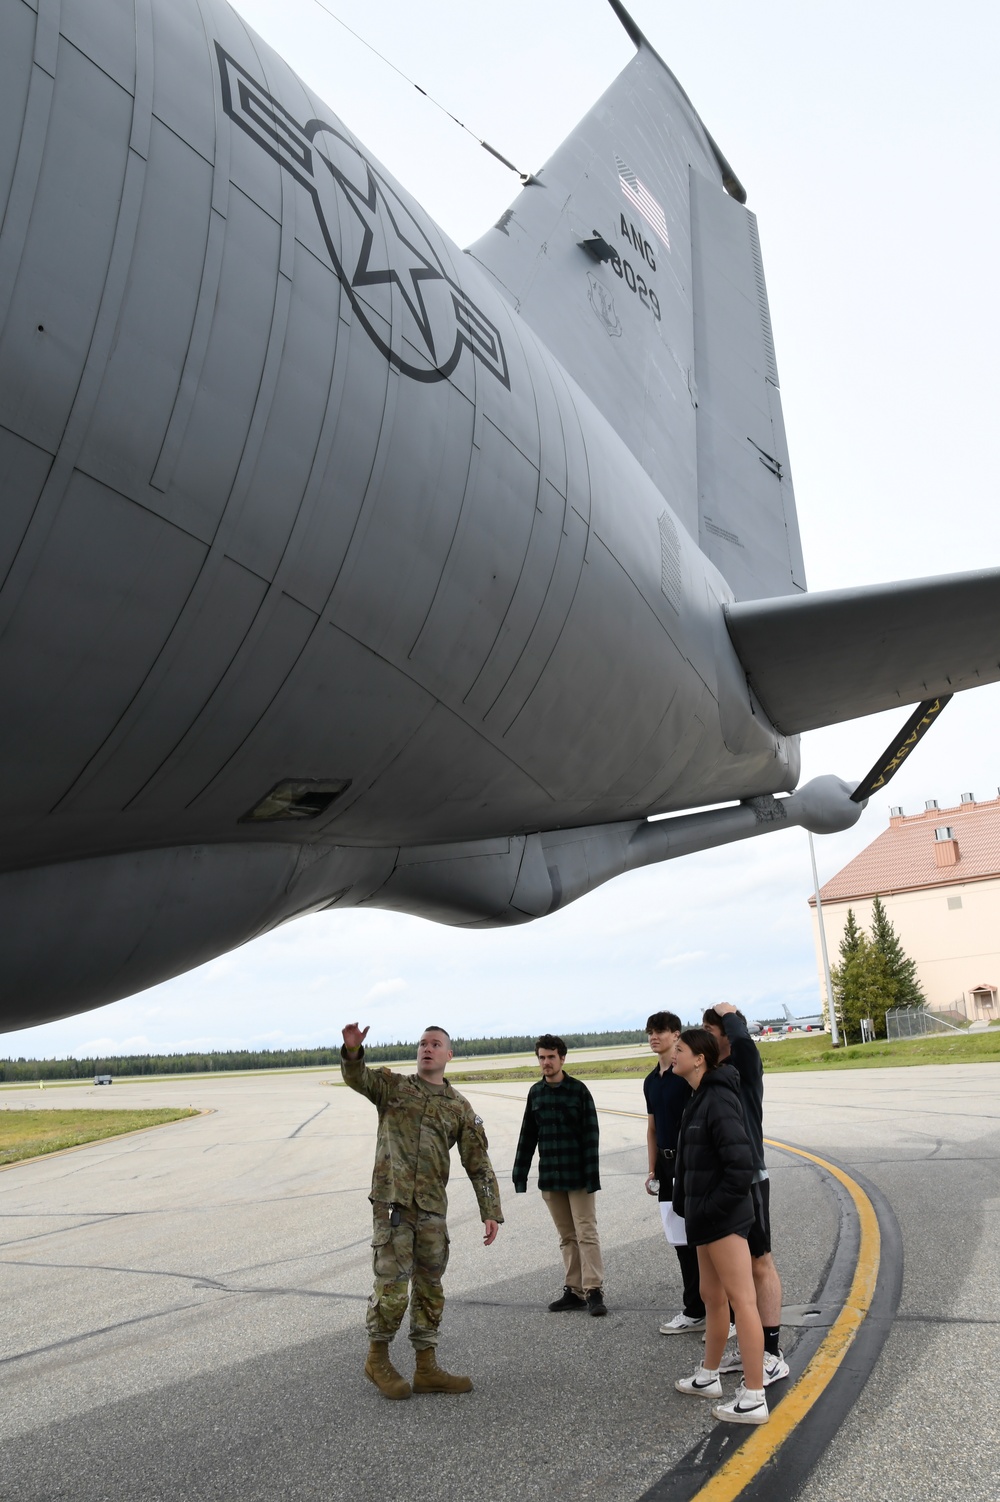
574 1212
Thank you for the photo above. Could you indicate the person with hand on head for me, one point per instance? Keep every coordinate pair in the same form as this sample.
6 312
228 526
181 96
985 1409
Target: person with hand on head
420 1118
736 1047
713 1172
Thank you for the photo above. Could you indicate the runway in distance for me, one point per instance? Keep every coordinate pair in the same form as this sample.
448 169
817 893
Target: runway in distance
341 567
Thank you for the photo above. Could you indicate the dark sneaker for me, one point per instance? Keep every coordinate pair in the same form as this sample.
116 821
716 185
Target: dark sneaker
595 1302
569 1300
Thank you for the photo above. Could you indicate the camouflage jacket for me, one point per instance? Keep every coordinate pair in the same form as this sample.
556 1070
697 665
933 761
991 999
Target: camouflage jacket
417 1127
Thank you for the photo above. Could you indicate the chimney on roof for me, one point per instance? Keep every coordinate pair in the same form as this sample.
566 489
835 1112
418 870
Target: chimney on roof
945 846
895 811
968 798
932 803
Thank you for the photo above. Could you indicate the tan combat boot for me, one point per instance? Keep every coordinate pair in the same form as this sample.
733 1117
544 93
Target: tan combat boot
430 1378
380 1370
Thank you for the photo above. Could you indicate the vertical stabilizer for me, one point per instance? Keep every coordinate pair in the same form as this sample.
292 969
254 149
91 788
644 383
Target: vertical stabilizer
632 257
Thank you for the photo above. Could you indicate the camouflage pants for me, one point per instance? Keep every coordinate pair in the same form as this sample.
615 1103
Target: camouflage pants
409 1262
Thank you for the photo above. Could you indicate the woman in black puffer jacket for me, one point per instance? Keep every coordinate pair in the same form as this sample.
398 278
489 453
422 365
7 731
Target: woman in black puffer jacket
713 1172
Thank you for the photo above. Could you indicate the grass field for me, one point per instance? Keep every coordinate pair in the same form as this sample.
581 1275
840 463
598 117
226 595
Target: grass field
789 1056
30 1134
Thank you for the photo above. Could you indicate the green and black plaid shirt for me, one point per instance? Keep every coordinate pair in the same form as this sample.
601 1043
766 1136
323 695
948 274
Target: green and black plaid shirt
561 1121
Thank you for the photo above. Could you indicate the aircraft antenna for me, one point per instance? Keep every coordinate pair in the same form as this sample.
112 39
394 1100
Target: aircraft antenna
526 177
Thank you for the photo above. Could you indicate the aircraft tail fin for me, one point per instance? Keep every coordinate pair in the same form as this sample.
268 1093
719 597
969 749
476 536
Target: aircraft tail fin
632 256
838 654
788 1015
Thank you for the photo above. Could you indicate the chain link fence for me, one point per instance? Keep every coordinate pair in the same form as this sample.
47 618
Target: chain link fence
916 1022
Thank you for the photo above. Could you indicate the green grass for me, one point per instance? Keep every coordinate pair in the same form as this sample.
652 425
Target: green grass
945 1048
789 1056
30 1134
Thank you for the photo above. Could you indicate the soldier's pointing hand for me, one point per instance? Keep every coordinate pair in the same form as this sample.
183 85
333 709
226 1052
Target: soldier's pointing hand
354 1037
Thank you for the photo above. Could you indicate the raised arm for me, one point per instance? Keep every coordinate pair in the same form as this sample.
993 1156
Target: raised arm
355 1073
354 1038
743 1053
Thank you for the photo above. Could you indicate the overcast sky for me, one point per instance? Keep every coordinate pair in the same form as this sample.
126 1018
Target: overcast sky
866 137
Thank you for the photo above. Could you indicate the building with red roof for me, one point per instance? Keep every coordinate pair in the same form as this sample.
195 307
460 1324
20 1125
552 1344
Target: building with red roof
938 875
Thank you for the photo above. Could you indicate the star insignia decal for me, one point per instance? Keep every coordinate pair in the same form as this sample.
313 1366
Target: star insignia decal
395 247
405 264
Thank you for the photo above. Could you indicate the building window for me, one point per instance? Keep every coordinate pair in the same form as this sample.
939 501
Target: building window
944 832
954 902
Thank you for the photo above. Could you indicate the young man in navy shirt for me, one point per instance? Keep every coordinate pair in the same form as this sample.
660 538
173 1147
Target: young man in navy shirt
666 1096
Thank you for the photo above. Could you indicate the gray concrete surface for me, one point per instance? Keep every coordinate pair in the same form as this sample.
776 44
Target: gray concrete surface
185 1307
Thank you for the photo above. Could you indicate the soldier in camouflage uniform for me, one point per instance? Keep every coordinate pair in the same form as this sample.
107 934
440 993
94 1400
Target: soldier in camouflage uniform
420 1118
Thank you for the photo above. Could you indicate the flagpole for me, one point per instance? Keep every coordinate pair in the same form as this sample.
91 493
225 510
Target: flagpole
834 1035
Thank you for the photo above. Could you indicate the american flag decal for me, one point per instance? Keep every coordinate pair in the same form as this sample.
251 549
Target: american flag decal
641 198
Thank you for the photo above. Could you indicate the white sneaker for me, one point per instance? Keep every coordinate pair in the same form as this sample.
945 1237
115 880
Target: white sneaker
732 1361
746 1408
730 1336
700 1384
682 1324
775 1368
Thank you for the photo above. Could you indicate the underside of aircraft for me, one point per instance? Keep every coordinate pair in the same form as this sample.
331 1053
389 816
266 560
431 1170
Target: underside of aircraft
339 566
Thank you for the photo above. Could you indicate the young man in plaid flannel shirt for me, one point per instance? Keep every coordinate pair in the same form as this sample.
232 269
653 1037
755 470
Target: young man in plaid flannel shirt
560 1119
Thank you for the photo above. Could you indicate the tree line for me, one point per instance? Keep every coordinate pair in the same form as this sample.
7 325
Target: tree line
223 1060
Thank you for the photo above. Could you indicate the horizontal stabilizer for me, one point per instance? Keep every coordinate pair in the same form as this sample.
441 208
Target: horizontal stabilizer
821 658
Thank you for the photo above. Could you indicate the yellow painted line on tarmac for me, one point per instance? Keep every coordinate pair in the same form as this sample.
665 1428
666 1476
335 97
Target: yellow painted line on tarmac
763 1444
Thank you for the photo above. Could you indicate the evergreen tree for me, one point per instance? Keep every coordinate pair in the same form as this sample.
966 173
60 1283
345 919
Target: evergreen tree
899 967
863 988
874 975
848 978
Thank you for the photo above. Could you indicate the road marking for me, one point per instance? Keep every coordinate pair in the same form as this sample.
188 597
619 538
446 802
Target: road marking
760 1447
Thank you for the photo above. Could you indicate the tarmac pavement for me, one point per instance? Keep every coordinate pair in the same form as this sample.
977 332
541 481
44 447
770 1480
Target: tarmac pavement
185 1307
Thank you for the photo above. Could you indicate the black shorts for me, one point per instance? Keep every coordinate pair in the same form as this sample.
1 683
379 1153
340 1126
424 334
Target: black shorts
759 1239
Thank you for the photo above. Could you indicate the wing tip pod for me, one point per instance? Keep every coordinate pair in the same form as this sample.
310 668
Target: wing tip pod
637 36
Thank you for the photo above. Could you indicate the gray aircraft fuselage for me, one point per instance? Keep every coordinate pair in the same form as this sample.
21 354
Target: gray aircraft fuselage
338 565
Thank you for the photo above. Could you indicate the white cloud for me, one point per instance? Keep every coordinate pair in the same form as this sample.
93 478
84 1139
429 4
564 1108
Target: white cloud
385 988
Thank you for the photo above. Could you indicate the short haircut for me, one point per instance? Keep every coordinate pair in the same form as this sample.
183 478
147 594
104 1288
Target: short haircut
549 1040
712 1018
663 1022
435 1029
701 1041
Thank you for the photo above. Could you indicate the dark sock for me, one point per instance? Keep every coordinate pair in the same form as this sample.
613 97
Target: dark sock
772 1336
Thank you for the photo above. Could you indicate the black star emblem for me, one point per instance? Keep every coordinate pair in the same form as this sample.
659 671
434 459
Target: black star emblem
405 264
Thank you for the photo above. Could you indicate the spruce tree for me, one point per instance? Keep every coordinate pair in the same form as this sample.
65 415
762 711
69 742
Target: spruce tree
849 979
899 967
